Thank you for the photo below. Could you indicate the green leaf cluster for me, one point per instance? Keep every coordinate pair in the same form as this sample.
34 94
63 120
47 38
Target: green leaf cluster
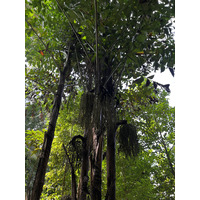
134 39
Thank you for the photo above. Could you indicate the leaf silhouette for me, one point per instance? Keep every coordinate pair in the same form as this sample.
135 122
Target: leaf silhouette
166 87
171 70
155 84
148 82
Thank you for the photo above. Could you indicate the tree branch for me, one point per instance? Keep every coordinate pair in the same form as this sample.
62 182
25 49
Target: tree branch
168 157
96 49
67 156
74 31
111 75
77 137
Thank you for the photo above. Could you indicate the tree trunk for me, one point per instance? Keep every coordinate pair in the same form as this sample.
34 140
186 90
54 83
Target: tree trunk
83 189
96 166
110 154
48 137
73 184
111 126
73 181
111 132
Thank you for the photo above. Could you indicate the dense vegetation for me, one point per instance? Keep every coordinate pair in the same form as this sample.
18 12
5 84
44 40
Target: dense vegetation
97 125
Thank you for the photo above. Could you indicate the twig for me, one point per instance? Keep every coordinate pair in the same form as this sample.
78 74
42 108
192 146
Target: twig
111 74
67 155
96 39
119 77
66 62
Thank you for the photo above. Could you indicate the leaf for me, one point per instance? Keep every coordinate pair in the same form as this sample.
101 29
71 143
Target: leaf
84 38
171 70
156 65
155 84
158 44
139 80
166 87
141 38
83 27
140 53
41 52
162 69
151 77
148 82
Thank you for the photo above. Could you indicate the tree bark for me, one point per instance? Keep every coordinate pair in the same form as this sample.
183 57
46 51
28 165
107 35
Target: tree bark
73 184
96 166
73 181
110 154
48 137
83 189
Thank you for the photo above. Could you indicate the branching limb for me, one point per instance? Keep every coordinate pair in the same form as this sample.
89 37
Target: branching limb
111 75
74 31
77 137
121 122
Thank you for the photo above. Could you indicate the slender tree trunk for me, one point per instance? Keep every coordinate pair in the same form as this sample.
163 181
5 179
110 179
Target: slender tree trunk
96 166
110 154
111 126
73 181
64 178
73 184
83 188
111 129
48 137
84 178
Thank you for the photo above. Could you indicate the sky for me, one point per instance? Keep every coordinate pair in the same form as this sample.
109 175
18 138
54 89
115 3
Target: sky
167 78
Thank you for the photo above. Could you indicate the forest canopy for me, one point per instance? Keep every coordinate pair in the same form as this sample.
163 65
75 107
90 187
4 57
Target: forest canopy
98 126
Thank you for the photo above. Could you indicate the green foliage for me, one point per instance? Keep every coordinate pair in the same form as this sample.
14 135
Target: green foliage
155 124
34 139
58 177
146 176
128 141
33 144
136 38
35 116
133 177
125 28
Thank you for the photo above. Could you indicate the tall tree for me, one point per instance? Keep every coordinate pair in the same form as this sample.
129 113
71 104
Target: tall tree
111 43
64 71
48 138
